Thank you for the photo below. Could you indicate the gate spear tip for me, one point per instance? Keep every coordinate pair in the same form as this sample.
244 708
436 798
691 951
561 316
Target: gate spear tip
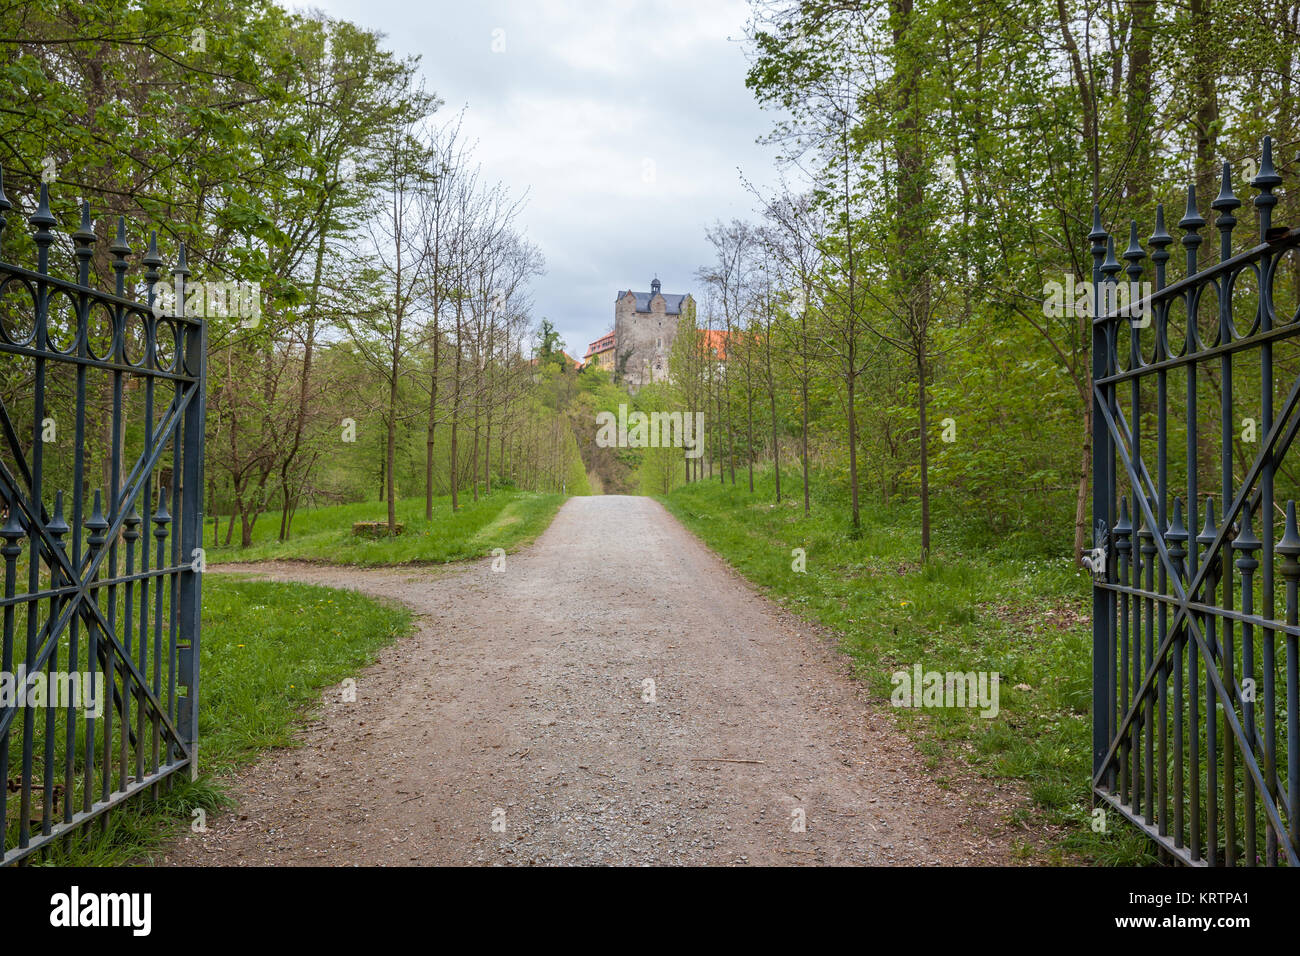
1160 238
1226 200
1246 539
1098 233
1267 176
1192 219
1289 546
41 217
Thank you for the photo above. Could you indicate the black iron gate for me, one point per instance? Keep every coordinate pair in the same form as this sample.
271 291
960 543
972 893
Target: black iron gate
1195 689
99 677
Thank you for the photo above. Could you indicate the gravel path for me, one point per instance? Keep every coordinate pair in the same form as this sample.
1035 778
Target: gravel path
511 727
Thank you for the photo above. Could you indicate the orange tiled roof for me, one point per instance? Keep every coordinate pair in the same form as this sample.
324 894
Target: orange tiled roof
602 344
714 340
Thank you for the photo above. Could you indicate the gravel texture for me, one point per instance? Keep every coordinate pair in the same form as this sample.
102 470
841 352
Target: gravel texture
512 726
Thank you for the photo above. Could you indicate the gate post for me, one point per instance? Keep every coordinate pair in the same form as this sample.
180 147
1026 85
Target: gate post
1102 494
190 598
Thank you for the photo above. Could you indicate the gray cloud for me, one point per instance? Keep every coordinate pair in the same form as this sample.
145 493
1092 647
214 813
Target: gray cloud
625 122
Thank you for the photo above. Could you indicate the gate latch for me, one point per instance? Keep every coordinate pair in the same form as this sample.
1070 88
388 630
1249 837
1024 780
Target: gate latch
1095 561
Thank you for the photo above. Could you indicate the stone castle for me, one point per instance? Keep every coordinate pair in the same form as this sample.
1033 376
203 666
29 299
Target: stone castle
636 352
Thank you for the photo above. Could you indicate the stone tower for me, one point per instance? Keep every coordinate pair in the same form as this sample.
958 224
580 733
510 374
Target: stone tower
644 326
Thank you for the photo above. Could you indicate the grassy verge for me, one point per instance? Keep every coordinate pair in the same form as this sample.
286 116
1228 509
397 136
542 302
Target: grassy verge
964 611
268 650
505 519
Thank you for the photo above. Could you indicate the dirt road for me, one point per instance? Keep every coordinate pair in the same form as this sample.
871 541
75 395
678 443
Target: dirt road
516 726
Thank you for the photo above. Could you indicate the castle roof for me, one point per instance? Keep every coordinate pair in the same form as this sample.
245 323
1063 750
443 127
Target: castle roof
672 303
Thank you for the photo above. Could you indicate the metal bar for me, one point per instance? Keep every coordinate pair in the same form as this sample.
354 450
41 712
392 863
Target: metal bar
193 355
1101 497
82 817
1183 617
79 604
1198 277
1245 343
80 579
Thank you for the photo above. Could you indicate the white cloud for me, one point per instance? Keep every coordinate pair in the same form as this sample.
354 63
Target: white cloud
585 92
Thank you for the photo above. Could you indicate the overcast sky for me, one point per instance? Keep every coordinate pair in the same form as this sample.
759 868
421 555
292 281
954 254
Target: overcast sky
626 122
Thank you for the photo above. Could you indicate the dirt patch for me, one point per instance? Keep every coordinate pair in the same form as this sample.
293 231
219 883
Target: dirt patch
515 727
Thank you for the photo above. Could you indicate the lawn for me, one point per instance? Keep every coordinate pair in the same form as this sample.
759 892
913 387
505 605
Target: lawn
1025 618
268 651
506 519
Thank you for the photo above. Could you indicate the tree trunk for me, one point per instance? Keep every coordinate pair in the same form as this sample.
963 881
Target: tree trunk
1207 111
925 457
433 421
390 456
1081 541
803 396
853 447
776 447
455 417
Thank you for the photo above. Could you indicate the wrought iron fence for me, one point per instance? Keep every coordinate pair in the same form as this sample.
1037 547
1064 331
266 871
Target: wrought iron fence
1195 707
101 624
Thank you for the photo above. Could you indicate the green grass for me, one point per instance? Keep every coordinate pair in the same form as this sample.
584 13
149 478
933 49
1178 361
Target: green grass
966 610
268 650
505 519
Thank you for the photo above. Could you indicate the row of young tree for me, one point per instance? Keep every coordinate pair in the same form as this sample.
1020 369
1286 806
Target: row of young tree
886 314
296 156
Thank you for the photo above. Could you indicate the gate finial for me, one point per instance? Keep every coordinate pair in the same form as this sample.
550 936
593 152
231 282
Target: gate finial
1134 252
43 221
13 531
1191 222
1123 530
1246 539
96 524
1160 241
151 260
120 250
1209 532
1266 181
1176 535
1226 202
1098 234
1289 546
58 527
83 239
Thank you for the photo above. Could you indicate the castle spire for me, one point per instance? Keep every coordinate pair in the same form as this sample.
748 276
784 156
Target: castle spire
654 286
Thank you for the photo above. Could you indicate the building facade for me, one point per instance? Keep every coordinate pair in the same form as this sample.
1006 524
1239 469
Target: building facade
600 353
645 324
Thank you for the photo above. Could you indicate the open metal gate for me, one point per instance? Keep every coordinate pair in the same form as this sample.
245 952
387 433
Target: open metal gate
1195 686
99 677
